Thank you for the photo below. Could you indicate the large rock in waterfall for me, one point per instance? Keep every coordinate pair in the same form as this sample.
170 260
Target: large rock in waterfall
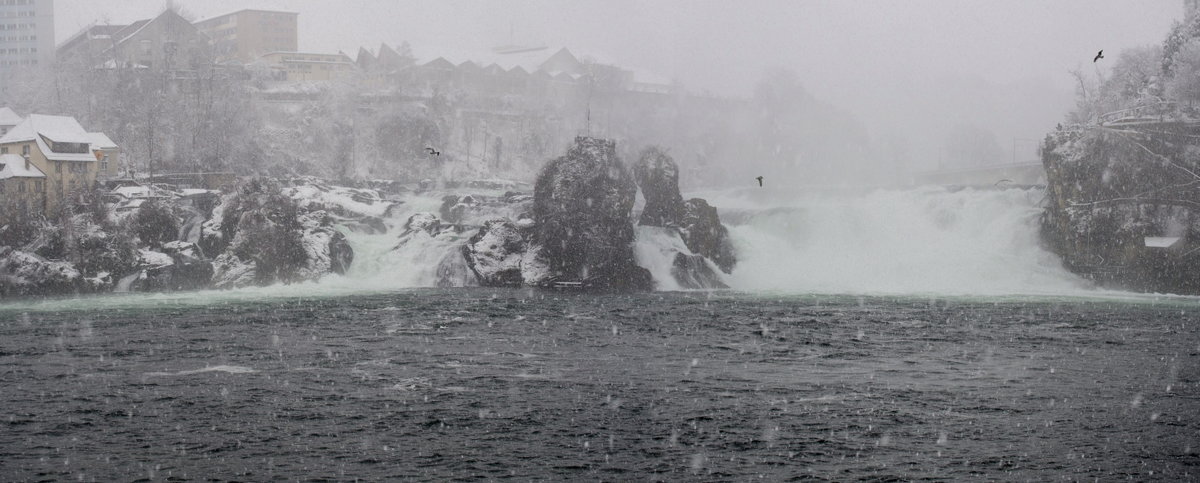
658 177
581 211
1122 208
704 234
502 253
696 223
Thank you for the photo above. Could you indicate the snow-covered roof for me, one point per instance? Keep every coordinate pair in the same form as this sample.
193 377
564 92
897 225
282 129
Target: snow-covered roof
1162 241
13 166
100 140
529 59
9 118
133 191
131 204
62 129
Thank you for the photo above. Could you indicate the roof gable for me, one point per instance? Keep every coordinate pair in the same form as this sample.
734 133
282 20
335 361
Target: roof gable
9 118
59 129
14 166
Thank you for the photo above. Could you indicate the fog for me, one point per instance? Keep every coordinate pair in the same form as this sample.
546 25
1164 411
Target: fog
910 71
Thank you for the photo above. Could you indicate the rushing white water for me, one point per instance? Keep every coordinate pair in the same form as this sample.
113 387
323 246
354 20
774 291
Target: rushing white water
924 240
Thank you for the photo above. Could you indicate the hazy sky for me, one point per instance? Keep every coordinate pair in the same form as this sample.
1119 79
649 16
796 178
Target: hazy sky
855 54
724 45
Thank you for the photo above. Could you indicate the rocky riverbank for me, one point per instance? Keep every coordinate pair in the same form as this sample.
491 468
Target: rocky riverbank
1123 208
575 230
261 233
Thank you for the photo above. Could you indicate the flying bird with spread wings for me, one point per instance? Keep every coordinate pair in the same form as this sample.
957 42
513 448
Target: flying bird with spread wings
759 181
1099 55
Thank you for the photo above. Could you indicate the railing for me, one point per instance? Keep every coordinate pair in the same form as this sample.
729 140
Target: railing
1156 112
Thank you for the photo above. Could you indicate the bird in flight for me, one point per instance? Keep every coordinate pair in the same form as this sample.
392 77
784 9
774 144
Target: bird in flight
1099 55
759 181
433 152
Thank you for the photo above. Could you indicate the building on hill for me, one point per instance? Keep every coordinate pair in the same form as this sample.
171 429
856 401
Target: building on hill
22 186
167 42
245 35
59 148
303 66
365 59
108 156
8 120
26 35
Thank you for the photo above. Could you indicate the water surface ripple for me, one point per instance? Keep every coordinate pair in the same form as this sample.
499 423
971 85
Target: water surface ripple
481 384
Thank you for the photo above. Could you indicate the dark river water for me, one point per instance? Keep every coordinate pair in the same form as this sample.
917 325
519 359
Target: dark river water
479 384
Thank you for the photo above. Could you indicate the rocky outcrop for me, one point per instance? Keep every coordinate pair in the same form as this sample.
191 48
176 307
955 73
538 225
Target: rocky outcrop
495 253
261 235
696 223
24 274
1122 208
658 177
581 210
503 253
704 234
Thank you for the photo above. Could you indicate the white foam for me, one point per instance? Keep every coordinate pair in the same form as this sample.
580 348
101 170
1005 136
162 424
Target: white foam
221 368
928 240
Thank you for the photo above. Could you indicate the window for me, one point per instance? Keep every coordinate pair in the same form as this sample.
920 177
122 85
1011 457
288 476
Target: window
21 186
104 163
24 149
4 150
58 167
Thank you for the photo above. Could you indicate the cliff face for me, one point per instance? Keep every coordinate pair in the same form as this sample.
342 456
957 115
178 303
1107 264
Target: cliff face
1123 205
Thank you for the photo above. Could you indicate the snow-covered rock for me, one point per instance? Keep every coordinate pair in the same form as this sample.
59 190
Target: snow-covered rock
423 221
495 253
229 271
23 273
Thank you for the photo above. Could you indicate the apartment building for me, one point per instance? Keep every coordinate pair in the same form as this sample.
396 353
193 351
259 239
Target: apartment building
26 34
246 35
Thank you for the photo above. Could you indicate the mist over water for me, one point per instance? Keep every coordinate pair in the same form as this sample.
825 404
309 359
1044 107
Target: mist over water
910 241
899 241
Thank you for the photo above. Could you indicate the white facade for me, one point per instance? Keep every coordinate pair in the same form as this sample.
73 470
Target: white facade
26 34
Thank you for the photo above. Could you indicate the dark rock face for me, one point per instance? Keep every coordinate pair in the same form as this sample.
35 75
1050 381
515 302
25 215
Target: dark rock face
1108 191
187 271
341 255
582 205
693 272
705 235
658 177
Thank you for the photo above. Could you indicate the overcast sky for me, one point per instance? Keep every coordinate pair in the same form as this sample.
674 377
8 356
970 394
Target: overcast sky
855 54
724 45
